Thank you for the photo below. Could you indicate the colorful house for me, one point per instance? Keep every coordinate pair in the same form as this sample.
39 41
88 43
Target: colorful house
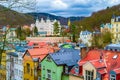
113 27
3 67
56 66
3 63
98 65
32 59
85 37
105 27
15 65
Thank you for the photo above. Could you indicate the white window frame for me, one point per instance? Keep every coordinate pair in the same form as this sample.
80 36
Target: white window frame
49 74
111 77
89 76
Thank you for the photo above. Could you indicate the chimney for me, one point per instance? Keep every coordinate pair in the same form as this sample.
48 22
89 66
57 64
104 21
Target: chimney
83 50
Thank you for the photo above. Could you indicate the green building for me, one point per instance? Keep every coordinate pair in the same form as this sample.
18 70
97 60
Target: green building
57 66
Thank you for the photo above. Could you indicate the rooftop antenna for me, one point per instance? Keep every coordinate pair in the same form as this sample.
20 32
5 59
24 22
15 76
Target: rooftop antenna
101 55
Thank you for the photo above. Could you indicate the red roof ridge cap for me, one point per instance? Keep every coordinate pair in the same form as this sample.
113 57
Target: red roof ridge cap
116 69
105 62
93 60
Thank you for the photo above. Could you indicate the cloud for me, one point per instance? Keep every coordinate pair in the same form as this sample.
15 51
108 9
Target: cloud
59 5
72 7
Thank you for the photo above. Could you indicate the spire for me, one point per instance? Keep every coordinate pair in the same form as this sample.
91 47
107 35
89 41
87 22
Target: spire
37 20
69 23
113 16
48 18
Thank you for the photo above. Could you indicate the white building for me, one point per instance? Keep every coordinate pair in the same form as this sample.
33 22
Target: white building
46 27
14 65
86 37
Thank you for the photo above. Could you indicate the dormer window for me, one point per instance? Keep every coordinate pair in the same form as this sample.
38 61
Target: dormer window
112 77
88 75
27 54
66 69
76 70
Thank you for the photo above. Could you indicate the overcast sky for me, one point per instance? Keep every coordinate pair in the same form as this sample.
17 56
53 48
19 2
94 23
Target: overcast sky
72 7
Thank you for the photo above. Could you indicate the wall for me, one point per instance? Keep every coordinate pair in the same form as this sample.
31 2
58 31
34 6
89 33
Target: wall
88 66
65 77
3 70
56 71
28 59
72 77
47 39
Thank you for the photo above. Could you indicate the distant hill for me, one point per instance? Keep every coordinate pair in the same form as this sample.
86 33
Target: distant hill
62 20
11 17
97 18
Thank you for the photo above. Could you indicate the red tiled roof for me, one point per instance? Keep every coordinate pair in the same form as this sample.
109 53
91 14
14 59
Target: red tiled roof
98 63
110 61
102 71
117 70
92 55
39 43
38 52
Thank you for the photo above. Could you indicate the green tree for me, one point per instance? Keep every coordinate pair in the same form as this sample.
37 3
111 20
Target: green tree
73 32
27 31
35 31
107 38
56 28
101 40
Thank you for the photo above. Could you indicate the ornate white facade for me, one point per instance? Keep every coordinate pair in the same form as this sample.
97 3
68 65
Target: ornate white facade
86 37
46 27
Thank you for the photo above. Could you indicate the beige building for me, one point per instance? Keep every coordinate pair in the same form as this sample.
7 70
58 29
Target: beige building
47 39
73 77
115 22
113 27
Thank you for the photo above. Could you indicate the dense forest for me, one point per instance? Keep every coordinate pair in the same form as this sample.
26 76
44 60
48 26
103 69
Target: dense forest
97 18
11 17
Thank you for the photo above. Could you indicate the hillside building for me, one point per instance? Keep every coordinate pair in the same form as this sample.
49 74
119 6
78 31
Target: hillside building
46 27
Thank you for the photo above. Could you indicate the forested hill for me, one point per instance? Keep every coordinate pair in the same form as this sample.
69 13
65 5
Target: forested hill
63 20
11 17
97 18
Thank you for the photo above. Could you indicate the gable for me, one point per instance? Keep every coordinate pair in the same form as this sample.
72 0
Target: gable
48 60
88 66
27 56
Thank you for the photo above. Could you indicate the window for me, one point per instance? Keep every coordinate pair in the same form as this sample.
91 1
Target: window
27 54
76 70
48 58
49 75
66 69
112 77
28 68
31 72
88 75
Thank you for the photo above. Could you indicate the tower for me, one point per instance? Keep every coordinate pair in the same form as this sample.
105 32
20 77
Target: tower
48 19
69 23
113 18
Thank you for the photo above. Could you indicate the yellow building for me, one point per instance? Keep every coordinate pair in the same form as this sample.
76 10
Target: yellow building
30 67
113 27
3 64
115 22
3 67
